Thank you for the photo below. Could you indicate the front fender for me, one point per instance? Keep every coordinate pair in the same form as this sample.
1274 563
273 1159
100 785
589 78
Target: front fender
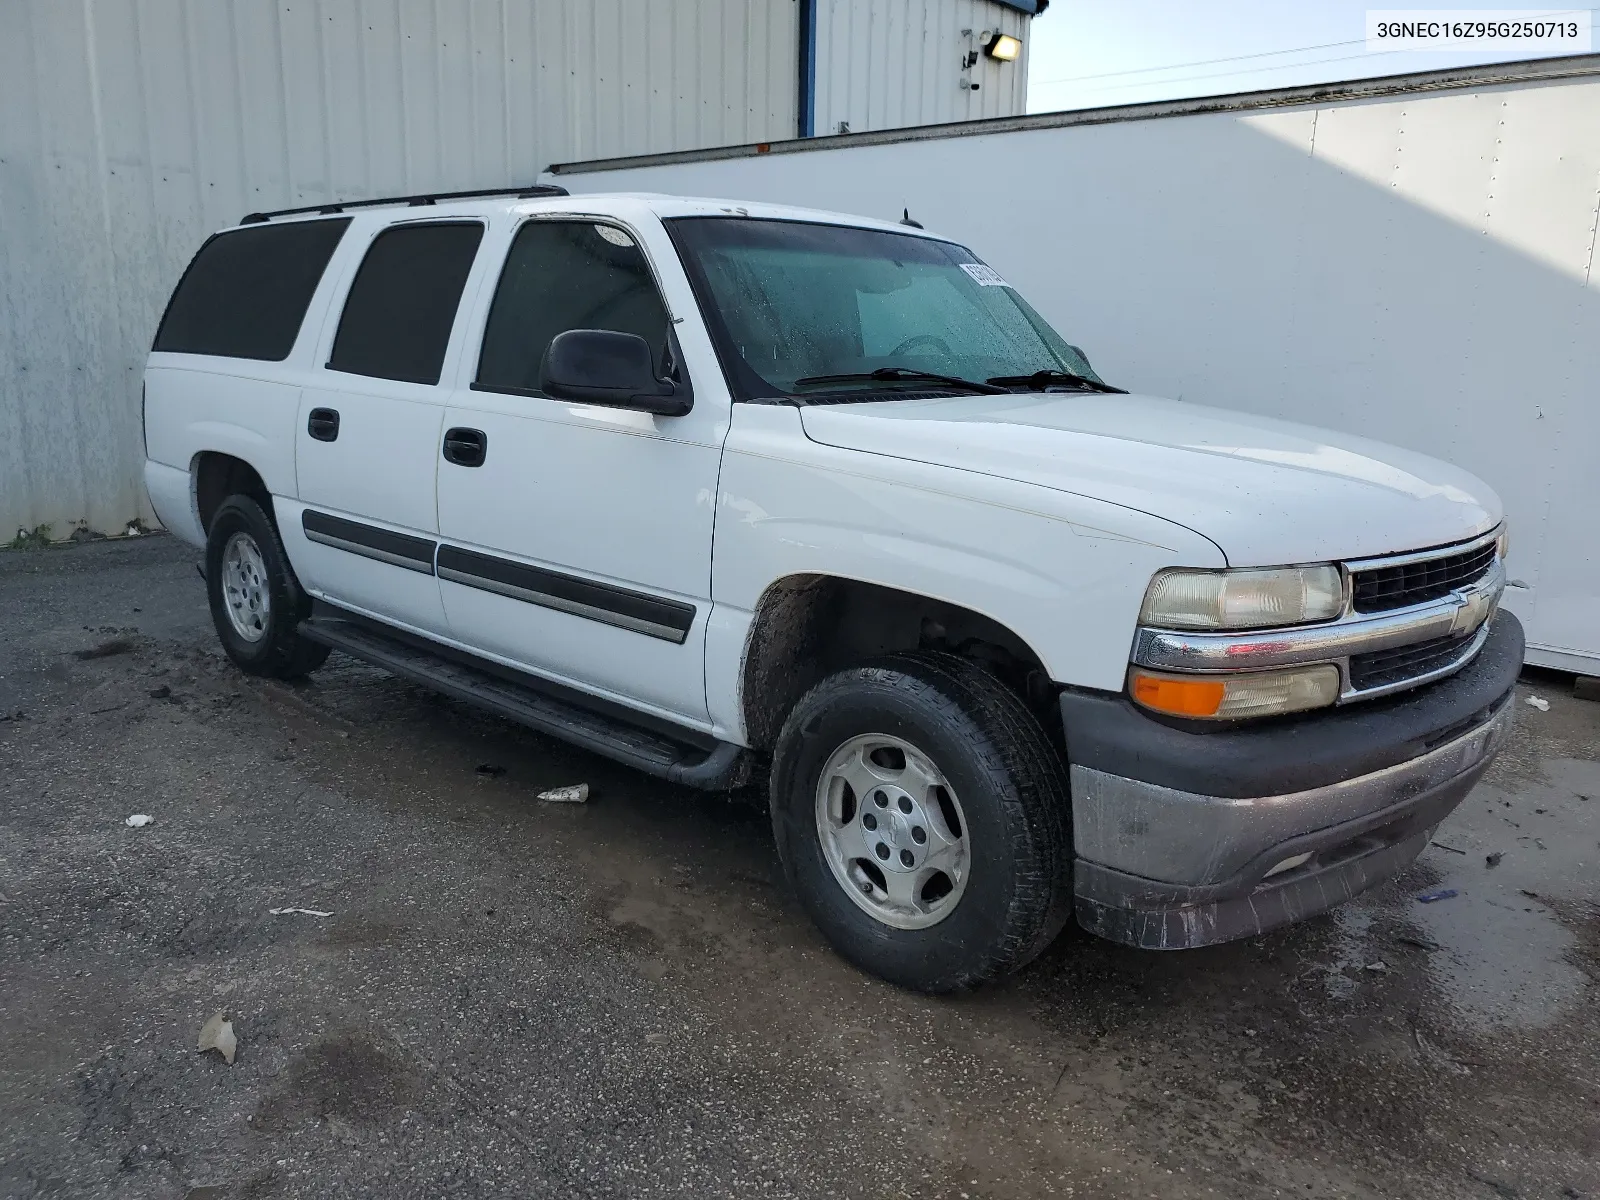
1065 573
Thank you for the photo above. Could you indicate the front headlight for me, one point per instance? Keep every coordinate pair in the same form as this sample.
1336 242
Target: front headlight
1184 598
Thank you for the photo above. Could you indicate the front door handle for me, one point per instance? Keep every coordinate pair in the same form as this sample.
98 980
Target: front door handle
323 424
465 447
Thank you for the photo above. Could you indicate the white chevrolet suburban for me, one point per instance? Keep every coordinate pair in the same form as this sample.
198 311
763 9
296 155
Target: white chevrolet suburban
731 492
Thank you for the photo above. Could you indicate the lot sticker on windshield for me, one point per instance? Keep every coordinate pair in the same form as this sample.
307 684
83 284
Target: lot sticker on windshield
985 275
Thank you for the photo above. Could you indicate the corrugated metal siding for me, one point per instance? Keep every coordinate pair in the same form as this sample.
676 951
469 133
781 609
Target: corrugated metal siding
886 64
129 129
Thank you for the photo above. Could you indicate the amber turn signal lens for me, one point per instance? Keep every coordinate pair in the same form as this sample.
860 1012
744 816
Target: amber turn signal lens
1181 697
1233 697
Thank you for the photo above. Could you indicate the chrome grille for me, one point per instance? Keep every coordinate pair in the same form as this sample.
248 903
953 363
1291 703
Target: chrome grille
1411 618
1384 667
1380 589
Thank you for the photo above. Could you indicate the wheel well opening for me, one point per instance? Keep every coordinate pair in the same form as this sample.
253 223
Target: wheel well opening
808 626
218 476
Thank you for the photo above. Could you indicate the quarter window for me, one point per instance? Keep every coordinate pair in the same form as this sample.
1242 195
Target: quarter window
562 275
397 319
247 290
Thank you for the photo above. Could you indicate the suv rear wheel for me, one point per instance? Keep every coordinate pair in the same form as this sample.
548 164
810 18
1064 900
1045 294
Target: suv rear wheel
256 602
922 817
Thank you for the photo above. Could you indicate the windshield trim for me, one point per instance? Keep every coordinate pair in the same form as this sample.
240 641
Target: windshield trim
744 384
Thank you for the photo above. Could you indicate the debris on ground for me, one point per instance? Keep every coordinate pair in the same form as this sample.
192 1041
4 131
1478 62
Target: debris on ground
217 1034
37 538
1586 687
132 530
1452 849
1538 702
1504 1190
160 693
305 912
104 649
1378 966
1436 1055
138 820
1441 894
578 793
1420 943
1493 860
19 715
491 770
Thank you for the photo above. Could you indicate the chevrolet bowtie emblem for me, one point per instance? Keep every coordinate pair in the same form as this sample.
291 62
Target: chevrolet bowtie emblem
1476 608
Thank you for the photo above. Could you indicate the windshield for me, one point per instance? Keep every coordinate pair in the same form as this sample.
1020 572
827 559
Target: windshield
793 305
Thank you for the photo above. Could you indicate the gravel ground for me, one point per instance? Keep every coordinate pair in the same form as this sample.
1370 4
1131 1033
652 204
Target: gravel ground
620 999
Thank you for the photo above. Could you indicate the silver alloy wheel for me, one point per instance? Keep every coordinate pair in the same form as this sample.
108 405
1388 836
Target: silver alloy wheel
892 831
245 591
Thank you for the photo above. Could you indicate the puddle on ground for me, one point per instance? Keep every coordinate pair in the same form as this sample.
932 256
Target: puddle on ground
1349 952
1507 945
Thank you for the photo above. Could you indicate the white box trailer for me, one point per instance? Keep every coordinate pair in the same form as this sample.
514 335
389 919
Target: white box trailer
1409 258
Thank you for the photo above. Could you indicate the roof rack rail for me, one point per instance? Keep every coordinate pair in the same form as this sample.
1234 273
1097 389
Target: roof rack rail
522 193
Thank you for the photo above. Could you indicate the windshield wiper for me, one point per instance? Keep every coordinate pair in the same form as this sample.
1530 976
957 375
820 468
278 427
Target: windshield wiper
1044 379
905 375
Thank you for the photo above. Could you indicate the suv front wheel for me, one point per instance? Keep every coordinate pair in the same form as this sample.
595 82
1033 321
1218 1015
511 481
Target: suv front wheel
922 817
256 602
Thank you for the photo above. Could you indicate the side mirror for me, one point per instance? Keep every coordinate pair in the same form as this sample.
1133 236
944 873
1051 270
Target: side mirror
598 366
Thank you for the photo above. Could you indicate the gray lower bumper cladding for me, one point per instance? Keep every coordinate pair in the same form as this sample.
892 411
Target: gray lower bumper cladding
1216 856
1160 866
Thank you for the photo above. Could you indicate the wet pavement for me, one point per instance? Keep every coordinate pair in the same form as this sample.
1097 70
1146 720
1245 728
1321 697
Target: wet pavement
619 999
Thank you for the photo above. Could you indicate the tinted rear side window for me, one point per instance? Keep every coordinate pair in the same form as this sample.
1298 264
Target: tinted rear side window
396 321
563 275
247 291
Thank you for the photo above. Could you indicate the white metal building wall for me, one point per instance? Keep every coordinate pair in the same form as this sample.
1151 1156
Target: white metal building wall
1416 260
887 64
130 129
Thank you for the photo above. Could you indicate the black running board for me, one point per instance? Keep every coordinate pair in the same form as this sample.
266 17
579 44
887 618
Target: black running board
720 768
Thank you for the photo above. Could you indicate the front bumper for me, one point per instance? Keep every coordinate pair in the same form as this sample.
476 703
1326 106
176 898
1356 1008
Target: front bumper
1177 832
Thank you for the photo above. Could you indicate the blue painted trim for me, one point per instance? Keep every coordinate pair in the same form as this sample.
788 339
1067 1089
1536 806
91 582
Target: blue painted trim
807 109
1032 7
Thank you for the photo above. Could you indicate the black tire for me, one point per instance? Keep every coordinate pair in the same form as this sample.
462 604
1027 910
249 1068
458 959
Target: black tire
1012 787
278 652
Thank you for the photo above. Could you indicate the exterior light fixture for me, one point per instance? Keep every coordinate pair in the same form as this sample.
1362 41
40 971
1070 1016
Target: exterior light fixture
1002 46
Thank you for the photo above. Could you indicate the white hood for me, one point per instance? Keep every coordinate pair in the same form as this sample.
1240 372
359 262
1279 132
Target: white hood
1267 492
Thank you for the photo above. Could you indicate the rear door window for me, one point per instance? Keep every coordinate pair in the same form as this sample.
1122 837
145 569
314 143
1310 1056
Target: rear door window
397 319
247 290
562 275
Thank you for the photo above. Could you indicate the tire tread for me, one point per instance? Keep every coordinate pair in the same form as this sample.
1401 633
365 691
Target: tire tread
1004 737
287 656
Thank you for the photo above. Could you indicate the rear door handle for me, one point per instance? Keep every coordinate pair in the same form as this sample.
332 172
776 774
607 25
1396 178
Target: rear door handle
323 424
465 447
